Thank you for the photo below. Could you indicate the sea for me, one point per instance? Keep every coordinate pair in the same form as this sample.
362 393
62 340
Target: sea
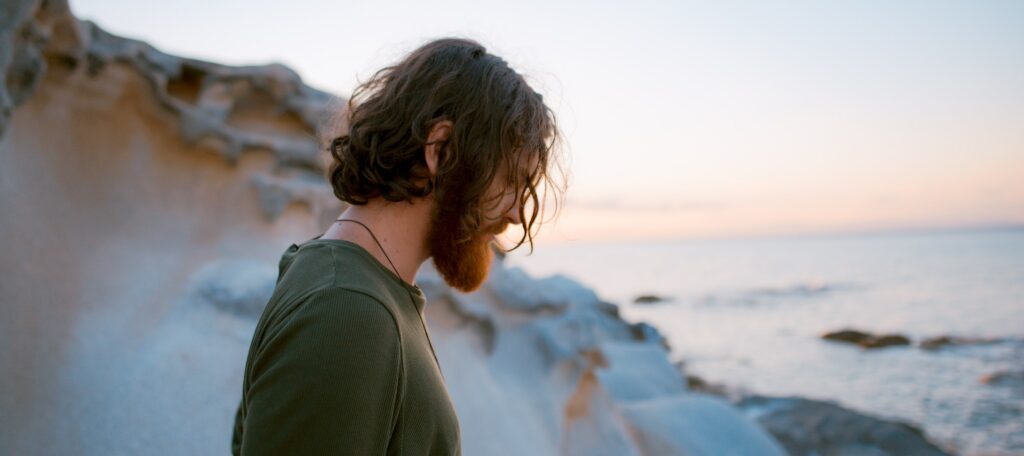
750 313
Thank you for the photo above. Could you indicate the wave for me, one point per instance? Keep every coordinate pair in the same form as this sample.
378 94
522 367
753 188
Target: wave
774 295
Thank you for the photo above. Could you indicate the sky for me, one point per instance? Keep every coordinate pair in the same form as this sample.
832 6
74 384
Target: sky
695 120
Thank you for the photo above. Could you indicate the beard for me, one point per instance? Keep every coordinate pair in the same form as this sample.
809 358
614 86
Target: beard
463 264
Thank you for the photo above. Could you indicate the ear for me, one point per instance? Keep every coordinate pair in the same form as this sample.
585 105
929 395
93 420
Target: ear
431 152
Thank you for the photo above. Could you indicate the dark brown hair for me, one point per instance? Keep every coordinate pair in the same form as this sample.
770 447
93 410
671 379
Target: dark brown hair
496 118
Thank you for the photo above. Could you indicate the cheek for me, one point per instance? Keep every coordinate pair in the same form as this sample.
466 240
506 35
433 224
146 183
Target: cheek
502 208
492 206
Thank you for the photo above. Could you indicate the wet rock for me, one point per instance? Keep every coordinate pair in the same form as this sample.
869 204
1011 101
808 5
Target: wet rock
847 335
810 427
936 343
648 299
646 333
866 340
696 383
886 341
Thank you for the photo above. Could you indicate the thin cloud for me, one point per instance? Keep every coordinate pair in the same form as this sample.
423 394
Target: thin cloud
618 204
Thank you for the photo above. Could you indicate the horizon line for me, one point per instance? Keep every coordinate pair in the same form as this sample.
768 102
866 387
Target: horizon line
867 232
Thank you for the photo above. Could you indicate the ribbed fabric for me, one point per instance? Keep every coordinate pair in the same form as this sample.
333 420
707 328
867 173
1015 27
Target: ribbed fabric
341 364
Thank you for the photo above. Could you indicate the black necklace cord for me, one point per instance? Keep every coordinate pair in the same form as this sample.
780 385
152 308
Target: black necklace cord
374 240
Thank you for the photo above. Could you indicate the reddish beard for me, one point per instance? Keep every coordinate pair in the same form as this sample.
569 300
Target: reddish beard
463 263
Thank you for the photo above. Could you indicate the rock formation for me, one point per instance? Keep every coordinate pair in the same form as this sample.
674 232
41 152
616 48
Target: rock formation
866 340
808 428
146 199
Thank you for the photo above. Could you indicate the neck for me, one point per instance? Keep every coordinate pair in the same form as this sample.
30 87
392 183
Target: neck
400 227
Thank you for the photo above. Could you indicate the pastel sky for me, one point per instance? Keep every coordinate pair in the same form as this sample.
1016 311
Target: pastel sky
686 119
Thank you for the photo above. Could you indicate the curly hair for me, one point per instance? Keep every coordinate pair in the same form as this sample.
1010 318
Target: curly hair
496 119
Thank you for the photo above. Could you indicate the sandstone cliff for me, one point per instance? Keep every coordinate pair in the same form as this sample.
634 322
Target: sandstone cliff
146 199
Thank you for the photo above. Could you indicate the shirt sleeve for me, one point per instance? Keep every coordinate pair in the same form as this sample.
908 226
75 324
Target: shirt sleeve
328 382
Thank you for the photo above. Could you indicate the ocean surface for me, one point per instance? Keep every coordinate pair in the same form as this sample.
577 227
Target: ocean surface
749 314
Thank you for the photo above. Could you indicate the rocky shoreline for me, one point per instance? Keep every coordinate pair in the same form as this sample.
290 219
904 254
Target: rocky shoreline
868 340
807 427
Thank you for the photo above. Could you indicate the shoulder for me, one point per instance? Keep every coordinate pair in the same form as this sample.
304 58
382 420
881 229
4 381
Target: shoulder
331 325
332 377
353 269
334 338
346 311
309 266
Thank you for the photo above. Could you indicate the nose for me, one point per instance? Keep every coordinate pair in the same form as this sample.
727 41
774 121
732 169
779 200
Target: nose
512 215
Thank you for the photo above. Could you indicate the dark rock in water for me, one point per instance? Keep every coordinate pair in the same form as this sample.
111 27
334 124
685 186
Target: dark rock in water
887 340
695 383
847 335
809 427
935 343
866 340
648 299
644 332
1012 379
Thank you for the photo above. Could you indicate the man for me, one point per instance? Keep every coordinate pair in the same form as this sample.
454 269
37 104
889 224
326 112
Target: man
440 153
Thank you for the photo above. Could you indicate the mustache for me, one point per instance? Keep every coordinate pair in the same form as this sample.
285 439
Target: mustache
494 230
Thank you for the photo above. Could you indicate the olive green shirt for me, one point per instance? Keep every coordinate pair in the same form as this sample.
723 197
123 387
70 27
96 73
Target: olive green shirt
341 363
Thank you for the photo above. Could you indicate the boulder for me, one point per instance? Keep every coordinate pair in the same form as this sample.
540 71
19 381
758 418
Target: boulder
808 427
940 342
847 335
866 340
648 299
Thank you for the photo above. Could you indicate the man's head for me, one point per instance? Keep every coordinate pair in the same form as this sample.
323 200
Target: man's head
454 125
